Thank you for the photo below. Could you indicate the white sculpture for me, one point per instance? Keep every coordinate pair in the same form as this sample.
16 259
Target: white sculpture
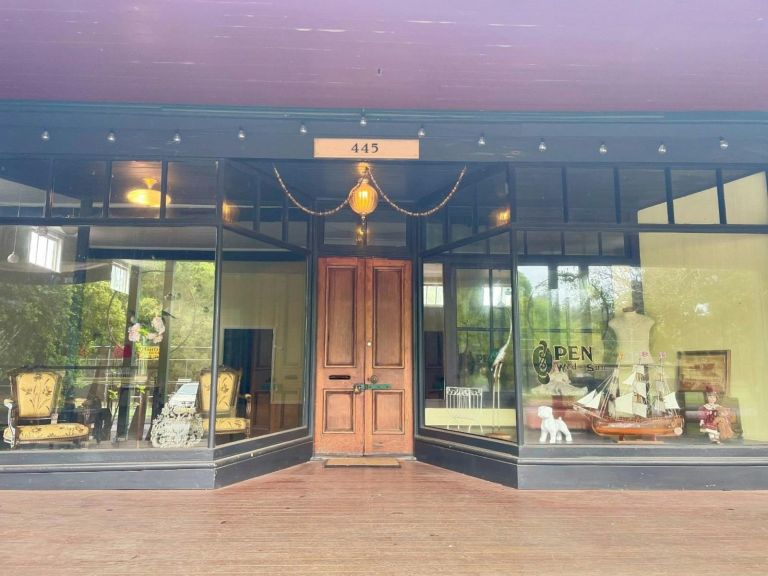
176 427
555 428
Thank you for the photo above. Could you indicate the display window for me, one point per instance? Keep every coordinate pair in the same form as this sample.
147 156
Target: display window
103 334
667 348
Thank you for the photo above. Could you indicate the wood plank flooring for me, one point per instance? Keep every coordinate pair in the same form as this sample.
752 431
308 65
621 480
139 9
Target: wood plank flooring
415 520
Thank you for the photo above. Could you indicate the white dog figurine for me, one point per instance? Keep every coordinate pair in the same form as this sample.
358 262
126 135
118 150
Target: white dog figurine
555 428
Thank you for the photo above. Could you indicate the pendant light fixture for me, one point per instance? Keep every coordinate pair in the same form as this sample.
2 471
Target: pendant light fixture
147 196
363 197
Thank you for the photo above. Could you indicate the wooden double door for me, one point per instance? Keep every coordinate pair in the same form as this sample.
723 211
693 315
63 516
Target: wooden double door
364 392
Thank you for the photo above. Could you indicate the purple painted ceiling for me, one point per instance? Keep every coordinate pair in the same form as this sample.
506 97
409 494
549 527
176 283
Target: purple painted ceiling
502 55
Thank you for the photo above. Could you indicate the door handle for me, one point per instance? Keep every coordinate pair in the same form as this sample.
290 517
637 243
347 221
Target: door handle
362 387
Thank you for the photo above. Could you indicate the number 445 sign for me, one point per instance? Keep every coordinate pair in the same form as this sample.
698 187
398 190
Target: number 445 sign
381 148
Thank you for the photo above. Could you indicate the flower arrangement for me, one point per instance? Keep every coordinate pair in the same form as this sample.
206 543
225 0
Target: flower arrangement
143 334
147 338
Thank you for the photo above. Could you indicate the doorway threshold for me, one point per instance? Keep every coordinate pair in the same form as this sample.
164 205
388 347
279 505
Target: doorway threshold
362 462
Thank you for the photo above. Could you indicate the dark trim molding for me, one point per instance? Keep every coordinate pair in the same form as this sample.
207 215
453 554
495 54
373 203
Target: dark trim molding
602 472
193 469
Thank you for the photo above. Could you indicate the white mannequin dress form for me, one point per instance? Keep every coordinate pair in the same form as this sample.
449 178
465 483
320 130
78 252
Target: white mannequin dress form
633 335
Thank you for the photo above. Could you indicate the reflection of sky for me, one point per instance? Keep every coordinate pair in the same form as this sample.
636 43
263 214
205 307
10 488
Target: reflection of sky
535 274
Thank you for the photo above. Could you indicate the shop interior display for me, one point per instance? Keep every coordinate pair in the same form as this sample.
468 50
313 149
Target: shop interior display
714 419
642 405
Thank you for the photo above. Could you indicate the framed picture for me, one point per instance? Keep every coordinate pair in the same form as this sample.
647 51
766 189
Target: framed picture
698 370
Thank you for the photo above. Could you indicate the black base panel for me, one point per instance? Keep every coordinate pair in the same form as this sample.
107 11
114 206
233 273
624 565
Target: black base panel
259 465
499 471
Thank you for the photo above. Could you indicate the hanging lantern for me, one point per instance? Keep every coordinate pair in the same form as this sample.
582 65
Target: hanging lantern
363 198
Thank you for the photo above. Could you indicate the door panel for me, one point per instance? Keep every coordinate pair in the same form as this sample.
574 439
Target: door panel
340 319
388 412
339 411
364 372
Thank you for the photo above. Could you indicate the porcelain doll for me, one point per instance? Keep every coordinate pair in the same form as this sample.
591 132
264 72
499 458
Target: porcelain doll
713 419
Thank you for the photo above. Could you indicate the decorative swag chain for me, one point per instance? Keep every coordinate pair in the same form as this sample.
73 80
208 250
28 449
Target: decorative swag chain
304 208
388 200
429 212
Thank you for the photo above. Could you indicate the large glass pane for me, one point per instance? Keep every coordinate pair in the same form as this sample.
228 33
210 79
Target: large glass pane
695 197
239 192
469 361
135 189
581 243
386 228
630 352
643 196
591 195
79 188
263 324
23 185
117 323
434 230
746 196
272 204
298 227
191 189
541 243
539 194
473 310
460 222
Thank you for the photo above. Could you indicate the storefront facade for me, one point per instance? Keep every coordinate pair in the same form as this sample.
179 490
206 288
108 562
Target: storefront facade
596 279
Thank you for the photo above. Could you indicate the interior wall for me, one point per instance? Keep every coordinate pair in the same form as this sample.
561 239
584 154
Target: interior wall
270 295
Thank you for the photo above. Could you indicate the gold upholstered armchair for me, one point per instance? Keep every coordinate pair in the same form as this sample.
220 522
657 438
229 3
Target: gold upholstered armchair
34 398
227 386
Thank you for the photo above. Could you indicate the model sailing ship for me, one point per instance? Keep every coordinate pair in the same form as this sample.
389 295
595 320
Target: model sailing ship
640 406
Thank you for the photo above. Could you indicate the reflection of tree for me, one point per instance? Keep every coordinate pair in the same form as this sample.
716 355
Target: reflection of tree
80 324
34 318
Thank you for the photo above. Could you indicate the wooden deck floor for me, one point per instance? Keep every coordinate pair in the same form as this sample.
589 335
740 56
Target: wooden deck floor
383 521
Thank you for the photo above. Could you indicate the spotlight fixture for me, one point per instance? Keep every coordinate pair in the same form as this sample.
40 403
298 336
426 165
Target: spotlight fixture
662 149
542 146
111 136
241 135
723 144
603 149
363 119
177 137
421 133
302 128
45 136
481 140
